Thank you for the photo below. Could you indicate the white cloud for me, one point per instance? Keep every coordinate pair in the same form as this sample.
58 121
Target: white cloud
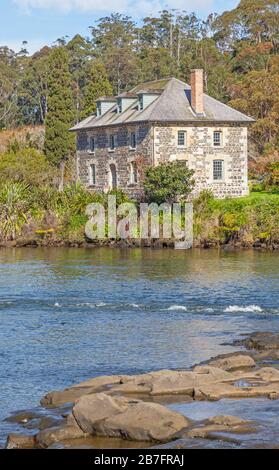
131 7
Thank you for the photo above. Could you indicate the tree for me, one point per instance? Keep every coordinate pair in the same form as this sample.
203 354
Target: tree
168 182
32 99
9 81
59 142
256 94
80 54
115 41
97 85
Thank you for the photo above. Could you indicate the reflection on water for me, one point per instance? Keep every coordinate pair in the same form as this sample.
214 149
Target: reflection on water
263 411
70 314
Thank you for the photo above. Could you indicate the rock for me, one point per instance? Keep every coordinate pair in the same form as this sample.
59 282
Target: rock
90 410
268 374
220 424
71 394
260 341
169 382
227 420
233 362
20 441
47 437
43 423
144 421
213 392
23 417
108 416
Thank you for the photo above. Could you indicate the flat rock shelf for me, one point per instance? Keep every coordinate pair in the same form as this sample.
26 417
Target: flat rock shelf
146 410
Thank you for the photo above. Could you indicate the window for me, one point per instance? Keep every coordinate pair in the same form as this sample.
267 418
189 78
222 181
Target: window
119 106
217 138
133 140
112 142
141 102
181 139
134 173
99 109
218 170
92 174
92 144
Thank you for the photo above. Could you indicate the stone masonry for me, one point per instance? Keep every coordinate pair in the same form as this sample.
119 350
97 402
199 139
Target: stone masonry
158 143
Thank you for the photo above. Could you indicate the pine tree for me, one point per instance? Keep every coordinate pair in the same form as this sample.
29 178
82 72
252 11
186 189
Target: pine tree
59 142
98 85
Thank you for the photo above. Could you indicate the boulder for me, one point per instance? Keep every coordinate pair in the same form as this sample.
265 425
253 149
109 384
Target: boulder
20 441
144 421
109 416
90 410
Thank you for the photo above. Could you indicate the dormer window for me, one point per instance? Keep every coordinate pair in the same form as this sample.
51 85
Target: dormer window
99 109
104 104
140 102
119 105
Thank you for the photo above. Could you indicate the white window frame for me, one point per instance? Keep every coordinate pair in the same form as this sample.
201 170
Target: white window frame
184 144
220 170
92 174
217 143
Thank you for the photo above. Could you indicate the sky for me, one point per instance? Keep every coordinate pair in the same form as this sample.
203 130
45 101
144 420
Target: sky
42 22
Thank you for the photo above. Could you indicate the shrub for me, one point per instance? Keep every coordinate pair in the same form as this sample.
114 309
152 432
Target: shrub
168 182
26 165
14 209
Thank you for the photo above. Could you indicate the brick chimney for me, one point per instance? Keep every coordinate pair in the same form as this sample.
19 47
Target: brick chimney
197 91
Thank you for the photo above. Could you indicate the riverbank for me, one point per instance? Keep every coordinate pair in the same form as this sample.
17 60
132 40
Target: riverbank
250 222
139 410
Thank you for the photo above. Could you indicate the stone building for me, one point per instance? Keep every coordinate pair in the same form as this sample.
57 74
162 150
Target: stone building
160 121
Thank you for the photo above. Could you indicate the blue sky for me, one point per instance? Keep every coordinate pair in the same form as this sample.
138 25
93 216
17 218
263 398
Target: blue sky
41 22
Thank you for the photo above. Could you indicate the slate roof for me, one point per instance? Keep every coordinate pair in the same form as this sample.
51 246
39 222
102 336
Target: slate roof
172 105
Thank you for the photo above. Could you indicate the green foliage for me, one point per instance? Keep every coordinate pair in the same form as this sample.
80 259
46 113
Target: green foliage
272 179
59 142
25 165
249 220
97 86
14 209
168 182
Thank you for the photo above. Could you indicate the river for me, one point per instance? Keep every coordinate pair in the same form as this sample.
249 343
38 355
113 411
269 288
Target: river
70 314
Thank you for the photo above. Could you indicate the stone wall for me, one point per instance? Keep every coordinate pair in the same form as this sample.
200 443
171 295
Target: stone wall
199 154
122 156
157 144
